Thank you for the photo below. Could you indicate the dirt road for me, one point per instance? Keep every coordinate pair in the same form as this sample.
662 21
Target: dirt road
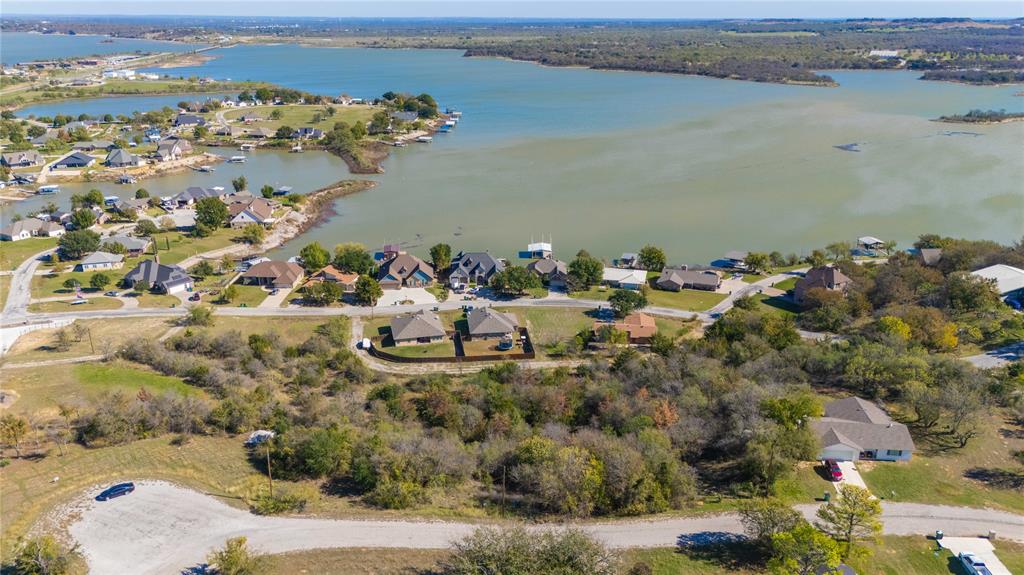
162 528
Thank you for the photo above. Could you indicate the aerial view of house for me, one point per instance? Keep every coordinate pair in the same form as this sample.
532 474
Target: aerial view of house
415 328
854 429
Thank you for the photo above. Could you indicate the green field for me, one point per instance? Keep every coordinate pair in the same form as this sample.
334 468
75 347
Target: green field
686 300
297 116
52 285
106 333
291 330
149 299
776 304
13 253
248 296
91 304
176 246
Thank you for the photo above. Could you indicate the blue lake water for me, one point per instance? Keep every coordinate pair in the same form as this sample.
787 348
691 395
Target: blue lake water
22 47
609 161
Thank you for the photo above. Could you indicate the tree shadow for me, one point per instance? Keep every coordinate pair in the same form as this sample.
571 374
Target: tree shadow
998 478
730 550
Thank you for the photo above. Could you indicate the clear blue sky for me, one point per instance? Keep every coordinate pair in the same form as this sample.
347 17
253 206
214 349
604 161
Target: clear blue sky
676 9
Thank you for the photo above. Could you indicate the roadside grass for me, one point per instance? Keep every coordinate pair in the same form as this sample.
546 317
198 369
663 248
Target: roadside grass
537 293
174 247
687 299
41 389
786 284
438 291
13 253
214 465
444 348
291 330
250 296
804 485
51 285
551 325
107 334
5 285
149 299
487 347
981 475
355 562
776 304
300 115
673 327
599 293
91 304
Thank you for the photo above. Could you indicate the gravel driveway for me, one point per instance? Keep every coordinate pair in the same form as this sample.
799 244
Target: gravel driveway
162 528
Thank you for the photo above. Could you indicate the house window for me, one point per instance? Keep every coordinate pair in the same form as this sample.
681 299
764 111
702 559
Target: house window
893 452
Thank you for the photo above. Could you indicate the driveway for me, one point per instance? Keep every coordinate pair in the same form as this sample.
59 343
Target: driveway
850 476
997 357
418 296
981 547
163 528
275 301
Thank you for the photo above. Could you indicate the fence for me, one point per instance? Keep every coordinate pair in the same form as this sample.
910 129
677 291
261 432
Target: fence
528 353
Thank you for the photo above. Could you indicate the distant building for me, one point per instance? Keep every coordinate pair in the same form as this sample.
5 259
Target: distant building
474 268
134 247
554 273
74 160
624 278
273 274
256 211
334 275
172 148
1008 279
885 54
736 259
121 158
405 270
189 121
93 145
417 328
929 256
676 279
307 133
824 277
100 261
638 327
159 277
21 159
486 323
30 227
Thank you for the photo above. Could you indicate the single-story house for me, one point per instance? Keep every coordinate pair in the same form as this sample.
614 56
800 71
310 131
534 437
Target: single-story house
93 145
332 274
736 259
826 277
639 327
405 270
624 278
405 116
262 133
193 194
250 117
42 139
100 261
1008 279
473 268
136 206
21 159
188 121
485 323
256 211
854 429
121 158
554 273
628 260
676 279
273 274
929 256
420 327
133 246
74 160
160 277
172 148
231 131
30 227
307 133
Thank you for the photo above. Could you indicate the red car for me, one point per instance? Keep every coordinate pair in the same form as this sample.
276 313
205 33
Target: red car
833 470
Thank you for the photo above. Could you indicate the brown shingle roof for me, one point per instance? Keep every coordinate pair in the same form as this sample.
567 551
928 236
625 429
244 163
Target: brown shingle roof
276 270
421 324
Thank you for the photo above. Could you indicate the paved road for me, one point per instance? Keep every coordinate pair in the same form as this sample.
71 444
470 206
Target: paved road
162 528
20 293
997 357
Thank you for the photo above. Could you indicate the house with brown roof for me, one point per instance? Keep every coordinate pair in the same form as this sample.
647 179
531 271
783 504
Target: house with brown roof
855 429
417 328
255 211
639 327
332 274
825 277
29 228
273 274
554 273
405 270
21 159
676 279
486 323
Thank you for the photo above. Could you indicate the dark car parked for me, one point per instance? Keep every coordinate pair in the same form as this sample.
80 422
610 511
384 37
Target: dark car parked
116 491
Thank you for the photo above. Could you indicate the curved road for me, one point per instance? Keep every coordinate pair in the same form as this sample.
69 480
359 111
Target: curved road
162 528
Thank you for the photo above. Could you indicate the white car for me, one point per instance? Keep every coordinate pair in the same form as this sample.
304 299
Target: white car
973 565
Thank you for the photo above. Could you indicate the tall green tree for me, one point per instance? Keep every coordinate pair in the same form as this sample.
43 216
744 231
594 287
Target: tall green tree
626 301
585 271
353 258
441 256
74 245
851 516
368 290
314 257
44 555
211 212
764 518
514 280
804 550
240 183
83 219
652 258
235 558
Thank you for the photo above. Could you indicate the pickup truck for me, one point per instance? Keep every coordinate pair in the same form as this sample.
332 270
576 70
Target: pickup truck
973 565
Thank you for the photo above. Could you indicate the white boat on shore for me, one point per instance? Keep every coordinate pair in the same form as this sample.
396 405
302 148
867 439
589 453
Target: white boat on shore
50 189
247 147
205 168
296 149
424 139
237 159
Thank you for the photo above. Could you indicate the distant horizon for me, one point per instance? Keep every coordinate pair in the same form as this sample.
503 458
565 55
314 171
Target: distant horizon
515 10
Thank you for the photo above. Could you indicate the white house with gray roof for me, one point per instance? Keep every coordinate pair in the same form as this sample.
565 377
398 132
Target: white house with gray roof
100 261
855 429
420 327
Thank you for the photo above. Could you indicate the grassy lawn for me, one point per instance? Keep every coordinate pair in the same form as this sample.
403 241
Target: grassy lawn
786 284
13 253
944 477
355 562
292 331
600 293
106 333
444 348
438 291
297 116
157 300
250 296
5 284
92 304
176 246
804 485
687 299
776 304
486 347
41 389
551 325
52 285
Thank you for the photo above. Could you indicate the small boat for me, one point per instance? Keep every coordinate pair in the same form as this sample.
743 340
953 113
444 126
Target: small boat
451 123
247 147
283 191
218 188
126 179
237 159
444 129
205 168
399 144
297 149
424 139
51 189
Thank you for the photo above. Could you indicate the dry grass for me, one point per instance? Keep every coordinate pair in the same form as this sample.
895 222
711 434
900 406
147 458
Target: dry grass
106 334
92 304
355 562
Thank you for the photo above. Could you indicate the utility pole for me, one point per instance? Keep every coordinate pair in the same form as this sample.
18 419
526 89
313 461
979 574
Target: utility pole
502 490
91 346
270 477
